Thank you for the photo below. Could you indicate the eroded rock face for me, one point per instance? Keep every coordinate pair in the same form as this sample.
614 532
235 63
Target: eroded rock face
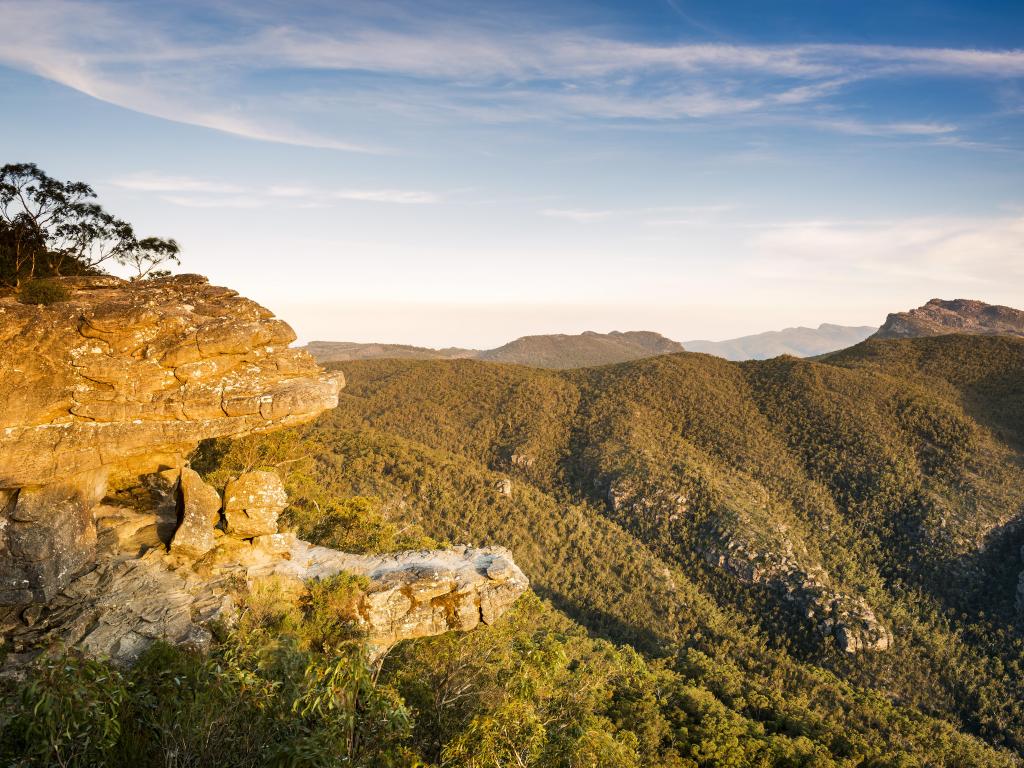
411 594
849 619
121 380
939 317
252 503
108 392
831 611
126 602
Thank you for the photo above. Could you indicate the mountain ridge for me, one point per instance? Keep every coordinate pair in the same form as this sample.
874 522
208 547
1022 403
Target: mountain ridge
942 316
798 341
590 348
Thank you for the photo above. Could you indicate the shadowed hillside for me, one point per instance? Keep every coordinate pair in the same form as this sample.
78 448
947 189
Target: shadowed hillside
793 501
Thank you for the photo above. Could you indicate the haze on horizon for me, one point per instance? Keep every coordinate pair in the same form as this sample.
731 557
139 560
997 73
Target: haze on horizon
461 174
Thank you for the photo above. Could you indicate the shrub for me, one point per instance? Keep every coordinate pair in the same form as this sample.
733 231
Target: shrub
43 292
331 607
67 713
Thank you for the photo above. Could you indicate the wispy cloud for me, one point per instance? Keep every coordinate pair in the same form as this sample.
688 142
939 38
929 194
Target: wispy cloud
956 250
578 215
238 202
146 182
485 68
862 128
400 196
194 192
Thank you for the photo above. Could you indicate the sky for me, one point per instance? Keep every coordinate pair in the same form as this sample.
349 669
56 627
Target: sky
464 173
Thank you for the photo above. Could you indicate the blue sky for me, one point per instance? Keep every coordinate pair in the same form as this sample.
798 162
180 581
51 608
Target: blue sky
464 173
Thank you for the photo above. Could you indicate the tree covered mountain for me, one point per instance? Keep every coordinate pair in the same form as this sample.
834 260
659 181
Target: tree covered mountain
828 550
545 351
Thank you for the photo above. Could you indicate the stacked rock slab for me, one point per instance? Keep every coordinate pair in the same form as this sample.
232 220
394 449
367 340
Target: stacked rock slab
200 514
252 504
121 380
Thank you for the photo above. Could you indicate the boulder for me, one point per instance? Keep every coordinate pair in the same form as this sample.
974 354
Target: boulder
46 536
252 503
200 514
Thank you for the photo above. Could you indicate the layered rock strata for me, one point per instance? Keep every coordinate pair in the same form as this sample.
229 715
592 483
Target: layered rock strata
108 541
121 380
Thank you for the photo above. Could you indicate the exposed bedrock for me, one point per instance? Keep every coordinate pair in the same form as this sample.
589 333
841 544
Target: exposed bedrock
137 591
848 618
122 380
109 541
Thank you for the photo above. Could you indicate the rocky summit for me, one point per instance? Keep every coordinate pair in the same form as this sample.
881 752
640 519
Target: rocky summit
939 317
109 540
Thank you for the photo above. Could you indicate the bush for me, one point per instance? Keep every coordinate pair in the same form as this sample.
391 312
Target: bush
66 713
43 292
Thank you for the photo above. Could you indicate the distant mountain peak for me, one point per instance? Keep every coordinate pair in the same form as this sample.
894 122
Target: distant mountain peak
558 350
799 341
943 316
582 350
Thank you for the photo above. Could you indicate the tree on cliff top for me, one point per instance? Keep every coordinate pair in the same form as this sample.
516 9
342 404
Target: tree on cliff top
50 228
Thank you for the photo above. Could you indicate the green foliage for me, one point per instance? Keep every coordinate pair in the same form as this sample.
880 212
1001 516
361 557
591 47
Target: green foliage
893 466
50 228
321 508
43 292
887 466
330 608
67 713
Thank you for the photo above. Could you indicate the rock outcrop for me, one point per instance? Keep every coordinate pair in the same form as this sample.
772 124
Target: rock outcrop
831 612
121 380
411 594
847 618
128 600
109 541
200 513
939 317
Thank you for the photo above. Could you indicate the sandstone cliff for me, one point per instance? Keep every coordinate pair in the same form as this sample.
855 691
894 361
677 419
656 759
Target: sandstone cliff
108 392
122 380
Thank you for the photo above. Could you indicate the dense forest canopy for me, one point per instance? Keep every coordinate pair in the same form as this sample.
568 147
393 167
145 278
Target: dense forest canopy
895 467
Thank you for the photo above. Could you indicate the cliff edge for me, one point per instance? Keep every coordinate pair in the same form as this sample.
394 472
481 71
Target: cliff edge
108 540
